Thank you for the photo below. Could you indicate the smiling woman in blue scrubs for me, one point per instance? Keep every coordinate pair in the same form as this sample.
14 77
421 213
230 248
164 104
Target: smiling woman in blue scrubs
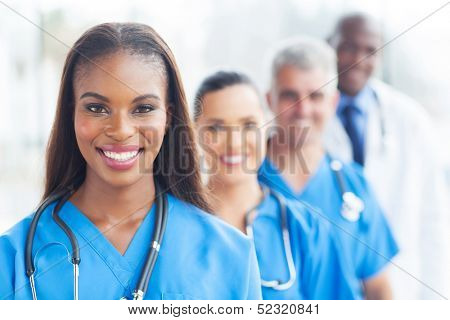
230 123
121 124
304 99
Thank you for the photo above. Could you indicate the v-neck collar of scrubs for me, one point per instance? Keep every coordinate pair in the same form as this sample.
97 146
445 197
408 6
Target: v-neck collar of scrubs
123 266
274 173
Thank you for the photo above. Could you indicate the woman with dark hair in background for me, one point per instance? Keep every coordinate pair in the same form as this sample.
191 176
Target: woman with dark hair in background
297 253
122 185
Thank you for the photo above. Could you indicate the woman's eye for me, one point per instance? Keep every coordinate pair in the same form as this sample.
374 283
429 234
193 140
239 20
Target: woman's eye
144 108
96 108
250 125
216 128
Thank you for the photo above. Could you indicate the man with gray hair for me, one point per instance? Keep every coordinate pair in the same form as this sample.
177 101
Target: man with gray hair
303 96
392 137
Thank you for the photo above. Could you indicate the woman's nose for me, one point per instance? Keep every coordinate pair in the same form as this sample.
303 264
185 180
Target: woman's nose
120 127
234 137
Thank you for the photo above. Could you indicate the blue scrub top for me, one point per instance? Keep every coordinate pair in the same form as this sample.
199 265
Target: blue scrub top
320 271
367 245
200 258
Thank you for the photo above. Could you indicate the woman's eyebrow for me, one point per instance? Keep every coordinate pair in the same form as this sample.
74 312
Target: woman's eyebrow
215 120
103 98
146 96
94 95
249 118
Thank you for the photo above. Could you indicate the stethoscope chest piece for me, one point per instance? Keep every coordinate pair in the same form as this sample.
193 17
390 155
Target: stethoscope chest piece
352 206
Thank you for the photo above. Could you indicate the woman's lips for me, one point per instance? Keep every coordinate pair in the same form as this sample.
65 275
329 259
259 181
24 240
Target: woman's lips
232 160
120 157
119 147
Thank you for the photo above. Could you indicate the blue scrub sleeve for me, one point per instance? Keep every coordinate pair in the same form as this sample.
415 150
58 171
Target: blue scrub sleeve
7 259
254 276
380 245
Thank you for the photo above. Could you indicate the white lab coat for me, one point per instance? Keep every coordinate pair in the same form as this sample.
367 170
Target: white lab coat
403 165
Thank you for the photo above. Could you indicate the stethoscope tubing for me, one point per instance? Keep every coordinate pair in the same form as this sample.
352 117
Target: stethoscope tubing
62 197
158 234
277 284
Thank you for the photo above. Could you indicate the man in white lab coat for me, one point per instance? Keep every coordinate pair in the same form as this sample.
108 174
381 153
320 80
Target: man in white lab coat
392 137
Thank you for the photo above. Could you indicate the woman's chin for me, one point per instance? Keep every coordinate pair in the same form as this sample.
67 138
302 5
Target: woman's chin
121 179
236 178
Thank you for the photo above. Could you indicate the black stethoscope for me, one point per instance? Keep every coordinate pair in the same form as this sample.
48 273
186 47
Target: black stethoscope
352 205
62 197
249 218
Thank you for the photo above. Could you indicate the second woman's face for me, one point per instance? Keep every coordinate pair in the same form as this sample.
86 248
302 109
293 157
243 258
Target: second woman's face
231 134
120 116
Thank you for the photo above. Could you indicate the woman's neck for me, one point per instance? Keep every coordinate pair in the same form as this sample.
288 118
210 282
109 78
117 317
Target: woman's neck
296 165
108 204
233 201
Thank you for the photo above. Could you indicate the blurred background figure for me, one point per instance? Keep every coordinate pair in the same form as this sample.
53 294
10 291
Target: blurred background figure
298 166
393 138
299 255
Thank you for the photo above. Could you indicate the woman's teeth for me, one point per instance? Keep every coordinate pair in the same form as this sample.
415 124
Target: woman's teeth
232 159
121 156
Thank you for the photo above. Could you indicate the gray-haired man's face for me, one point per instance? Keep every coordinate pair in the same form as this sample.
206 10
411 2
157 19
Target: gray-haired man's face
303 103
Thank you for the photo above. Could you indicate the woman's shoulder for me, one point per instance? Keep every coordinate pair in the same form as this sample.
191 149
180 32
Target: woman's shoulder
206 225
12 252
16 235
215 245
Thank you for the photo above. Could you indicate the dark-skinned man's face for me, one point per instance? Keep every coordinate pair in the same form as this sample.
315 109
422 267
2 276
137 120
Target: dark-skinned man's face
356 56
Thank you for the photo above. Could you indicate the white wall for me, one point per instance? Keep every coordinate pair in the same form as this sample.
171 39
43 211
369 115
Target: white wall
204 36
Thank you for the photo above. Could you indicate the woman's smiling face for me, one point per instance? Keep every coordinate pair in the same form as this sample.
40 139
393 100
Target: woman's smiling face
232 133
120 116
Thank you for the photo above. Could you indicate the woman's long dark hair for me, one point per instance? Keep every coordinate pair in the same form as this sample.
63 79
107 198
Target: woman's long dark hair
176 168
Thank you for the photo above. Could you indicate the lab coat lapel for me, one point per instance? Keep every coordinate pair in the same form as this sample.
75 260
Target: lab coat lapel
374 135
380 146
336 141
338 144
